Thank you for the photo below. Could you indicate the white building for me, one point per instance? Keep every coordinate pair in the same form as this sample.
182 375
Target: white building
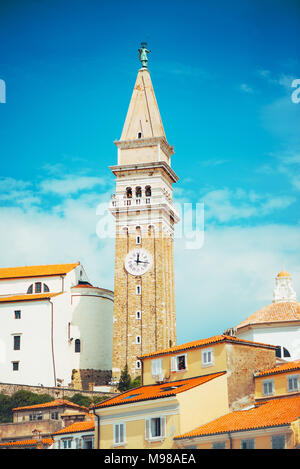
277 323
52 322
79 435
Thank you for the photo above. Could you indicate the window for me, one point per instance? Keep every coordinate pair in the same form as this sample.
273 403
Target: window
46 288
38 287
18 314
219 445
138 192
67 443
30 289
138 315
207 357
156 367
293 383
179 363
247 444
88 442
128 192
36 416
17 342
282 352
278 442
139 134
268 387
15 366
138 339
138 364
155 428
77 443
138 290
54 415
119 433
148 191
77 346
138 239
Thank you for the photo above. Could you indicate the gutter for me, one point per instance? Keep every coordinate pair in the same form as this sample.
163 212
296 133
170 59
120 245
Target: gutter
98 426
230 440
52 343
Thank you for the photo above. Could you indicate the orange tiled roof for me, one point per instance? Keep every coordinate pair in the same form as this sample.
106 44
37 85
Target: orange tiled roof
204 342
77 427
36 270
55 403
285 367
277 412
28 297
45 441
273 313
157 391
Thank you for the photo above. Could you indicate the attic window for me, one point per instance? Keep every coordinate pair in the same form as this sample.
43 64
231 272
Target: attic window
132 396
170 388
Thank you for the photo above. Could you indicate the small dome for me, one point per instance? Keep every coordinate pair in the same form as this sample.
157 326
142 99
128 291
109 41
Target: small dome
283 273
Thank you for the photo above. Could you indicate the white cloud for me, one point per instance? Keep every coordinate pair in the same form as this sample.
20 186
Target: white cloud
232 276
225 205
216 286
246 88
71 184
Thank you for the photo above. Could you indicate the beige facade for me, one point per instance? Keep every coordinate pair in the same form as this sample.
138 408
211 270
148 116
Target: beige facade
176 413
240 359
144 302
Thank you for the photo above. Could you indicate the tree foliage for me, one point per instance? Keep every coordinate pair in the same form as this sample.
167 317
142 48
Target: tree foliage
126 382
19 399
125 379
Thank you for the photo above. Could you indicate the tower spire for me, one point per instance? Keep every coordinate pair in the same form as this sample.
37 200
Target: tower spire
143 118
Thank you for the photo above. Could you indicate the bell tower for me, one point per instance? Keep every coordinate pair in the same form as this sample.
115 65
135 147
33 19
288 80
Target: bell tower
144 299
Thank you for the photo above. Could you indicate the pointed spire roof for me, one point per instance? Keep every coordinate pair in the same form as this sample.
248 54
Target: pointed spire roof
143 117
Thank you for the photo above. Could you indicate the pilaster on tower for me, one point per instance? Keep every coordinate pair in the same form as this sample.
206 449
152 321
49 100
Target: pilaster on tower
144 299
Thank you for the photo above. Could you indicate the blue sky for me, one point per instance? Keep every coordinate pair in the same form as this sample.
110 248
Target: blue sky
222 74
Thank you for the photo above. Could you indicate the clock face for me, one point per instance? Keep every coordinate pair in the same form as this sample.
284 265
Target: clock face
138 261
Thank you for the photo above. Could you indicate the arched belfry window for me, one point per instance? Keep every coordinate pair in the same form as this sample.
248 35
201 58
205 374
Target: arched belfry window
138 192
128 192
77 346
148 191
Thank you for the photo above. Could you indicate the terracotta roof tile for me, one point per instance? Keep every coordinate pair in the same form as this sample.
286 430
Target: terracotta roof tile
36 270
273 313
45 441
277 412
157 391
204 342
28 297
77 427
55 403
285 367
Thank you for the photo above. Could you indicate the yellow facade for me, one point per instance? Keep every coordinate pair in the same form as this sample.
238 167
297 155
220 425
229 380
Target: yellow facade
262 440
194 364
181 412
279 384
